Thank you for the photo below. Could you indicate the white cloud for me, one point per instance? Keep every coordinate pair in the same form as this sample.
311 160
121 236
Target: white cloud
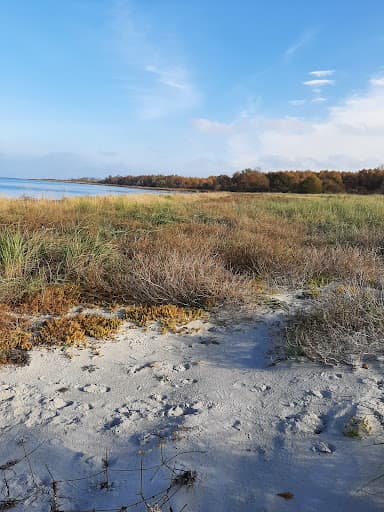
320 73
297 103
349 137
208 126
319 99
377 82
318 82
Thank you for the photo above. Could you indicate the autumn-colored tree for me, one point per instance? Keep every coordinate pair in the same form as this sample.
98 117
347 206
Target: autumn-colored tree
249 180
311 185
280 181
366 181
332 182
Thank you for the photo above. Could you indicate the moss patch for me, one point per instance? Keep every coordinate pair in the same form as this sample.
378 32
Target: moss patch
73 331
171 318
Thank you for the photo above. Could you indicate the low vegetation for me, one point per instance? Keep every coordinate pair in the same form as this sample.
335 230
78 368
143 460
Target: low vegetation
15 337
74 330
168 257
171 318
344 325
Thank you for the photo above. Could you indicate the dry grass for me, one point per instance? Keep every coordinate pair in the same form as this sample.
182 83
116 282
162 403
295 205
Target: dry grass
190 251
187 250
53 300
343 325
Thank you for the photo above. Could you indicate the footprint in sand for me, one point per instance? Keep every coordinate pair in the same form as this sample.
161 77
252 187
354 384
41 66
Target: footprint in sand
95 388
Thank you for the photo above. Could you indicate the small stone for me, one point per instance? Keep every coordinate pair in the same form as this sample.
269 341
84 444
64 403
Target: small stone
237 425
316 393
286 495
322 447
175 411
365 366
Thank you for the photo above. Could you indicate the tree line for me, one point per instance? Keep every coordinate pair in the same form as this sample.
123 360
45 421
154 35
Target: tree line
365 181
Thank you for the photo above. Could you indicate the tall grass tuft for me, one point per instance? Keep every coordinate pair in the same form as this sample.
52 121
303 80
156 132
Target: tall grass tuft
14 254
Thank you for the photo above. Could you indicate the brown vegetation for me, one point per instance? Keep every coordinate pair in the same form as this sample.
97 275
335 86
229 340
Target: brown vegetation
344 324
171 318
366 181
192 251
73 330
15 336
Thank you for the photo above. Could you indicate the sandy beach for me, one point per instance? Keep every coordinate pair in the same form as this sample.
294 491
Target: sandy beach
254 435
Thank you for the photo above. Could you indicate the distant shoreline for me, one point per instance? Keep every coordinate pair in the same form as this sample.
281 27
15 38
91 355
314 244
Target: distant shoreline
85 182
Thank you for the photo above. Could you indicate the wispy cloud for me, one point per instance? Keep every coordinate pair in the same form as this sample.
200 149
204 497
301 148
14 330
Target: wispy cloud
318 83
297 103
319 99
321 73
175 78
300 43
209 126
158 79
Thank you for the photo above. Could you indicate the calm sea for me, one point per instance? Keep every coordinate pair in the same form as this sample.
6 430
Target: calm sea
15 187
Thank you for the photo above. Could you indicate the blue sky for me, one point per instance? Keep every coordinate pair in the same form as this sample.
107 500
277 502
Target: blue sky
92 87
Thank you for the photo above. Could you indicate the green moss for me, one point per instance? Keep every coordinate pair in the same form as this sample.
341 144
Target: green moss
357 427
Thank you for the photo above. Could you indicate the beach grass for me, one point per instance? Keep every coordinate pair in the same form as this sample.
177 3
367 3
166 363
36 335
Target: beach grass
186 249
191 251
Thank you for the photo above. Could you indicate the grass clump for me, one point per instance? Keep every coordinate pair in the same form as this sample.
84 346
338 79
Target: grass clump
74 330
171 317
343 324
14 253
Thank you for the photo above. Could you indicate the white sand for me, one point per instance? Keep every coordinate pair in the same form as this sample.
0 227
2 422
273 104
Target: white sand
262 429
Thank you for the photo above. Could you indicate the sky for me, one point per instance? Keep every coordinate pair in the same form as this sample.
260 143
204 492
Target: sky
202 87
